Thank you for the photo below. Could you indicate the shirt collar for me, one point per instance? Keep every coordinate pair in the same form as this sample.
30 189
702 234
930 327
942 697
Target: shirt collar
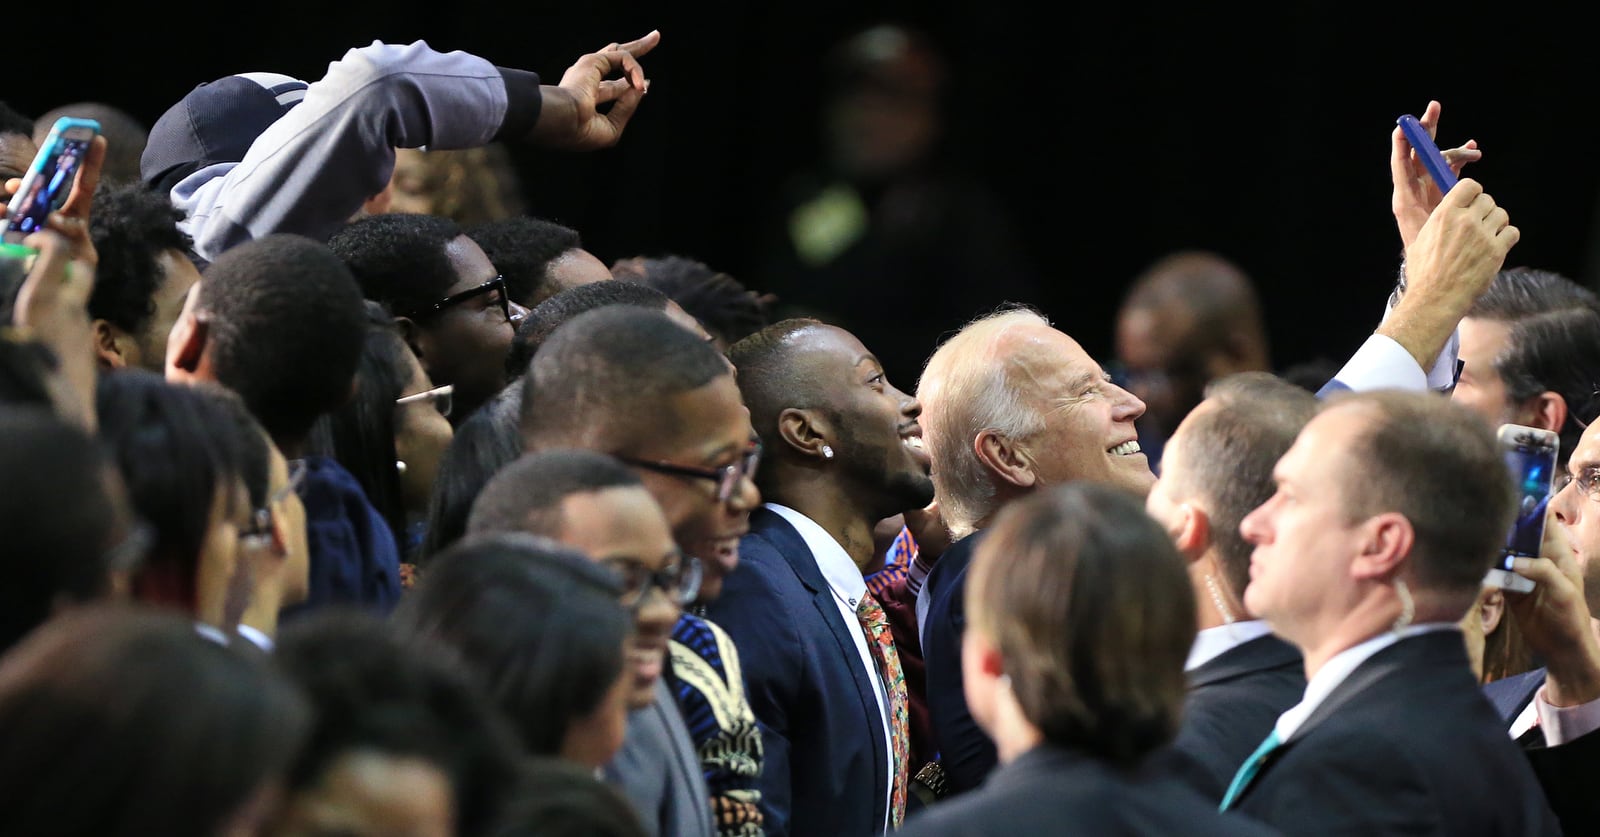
1212 643
843 576
1337 669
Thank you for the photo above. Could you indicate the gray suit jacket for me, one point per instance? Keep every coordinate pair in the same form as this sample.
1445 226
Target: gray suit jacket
659 771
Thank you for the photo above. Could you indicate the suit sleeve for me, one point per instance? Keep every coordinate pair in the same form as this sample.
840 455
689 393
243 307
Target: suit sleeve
965 751
312 169
753 613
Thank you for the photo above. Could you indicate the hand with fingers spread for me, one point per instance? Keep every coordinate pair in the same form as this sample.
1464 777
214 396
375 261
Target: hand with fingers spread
1415 193
571 116
1454 257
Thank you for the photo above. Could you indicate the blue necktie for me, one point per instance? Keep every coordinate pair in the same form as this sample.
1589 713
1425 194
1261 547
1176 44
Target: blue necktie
1248 770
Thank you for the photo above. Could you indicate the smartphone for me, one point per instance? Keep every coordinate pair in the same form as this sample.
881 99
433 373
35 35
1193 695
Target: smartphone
1530 455
1432 159
49 180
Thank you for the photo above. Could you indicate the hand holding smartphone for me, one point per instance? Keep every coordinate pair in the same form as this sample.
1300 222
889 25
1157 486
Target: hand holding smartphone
49 179
1428 152
1530 455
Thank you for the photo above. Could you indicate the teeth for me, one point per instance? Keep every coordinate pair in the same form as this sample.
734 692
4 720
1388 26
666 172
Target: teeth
914 442
1127 448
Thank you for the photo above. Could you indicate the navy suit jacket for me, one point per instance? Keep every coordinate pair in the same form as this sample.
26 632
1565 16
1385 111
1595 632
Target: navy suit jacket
1405 745
825 769
1511 695
965 751
1565 772
1050 790
1234 700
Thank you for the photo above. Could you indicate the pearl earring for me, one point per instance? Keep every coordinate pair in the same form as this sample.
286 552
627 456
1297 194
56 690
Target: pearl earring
400 465
827 452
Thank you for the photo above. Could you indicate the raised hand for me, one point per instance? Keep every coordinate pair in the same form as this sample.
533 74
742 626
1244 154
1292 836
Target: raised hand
1415 193
570 117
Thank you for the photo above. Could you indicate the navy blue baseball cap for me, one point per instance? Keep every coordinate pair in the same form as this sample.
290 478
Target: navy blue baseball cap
215 123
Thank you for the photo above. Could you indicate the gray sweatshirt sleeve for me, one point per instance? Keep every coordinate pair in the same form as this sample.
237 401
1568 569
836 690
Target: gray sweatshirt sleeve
312 169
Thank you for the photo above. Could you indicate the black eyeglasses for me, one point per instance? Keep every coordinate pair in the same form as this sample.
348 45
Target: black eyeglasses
498 283
727 477
679 582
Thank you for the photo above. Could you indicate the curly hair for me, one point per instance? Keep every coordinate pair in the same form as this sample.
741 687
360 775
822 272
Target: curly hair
132 227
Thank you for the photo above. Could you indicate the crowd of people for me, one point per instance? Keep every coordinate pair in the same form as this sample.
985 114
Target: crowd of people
344 497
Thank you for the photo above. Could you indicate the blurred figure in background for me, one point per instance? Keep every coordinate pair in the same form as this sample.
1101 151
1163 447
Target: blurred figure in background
882 236
1190 318
468 186
125 137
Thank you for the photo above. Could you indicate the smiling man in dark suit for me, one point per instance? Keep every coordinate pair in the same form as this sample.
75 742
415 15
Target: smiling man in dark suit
843 450
1388 511
1218 468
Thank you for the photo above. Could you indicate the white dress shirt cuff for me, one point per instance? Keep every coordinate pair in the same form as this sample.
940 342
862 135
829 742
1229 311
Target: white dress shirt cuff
1562 724
1381 363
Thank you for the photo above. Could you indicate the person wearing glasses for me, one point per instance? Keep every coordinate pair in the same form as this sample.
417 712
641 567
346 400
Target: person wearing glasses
1558 621
447 299
392 434
594 503
188 474
825 675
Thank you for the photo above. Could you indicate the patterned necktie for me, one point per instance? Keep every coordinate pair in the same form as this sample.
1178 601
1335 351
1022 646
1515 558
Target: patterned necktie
876 625
1248 770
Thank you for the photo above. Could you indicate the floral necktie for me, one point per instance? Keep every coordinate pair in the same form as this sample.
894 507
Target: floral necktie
876 626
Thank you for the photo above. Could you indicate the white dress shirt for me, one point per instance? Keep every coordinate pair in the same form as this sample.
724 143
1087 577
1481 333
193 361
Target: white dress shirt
1212 643
848 585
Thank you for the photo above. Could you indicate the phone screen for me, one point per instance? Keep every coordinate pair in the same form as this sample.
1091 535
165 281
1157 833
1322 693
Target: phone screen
46 186
1532 460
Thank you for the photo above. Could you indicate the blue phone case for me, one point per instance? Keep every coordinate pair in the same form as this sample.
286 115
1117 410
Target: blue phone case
35 199
1428 152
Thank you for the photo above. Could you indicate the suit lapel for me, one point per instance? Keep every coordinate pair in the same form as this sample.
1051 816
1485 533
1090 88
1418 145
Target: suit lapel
1407 655
1259 654
777 531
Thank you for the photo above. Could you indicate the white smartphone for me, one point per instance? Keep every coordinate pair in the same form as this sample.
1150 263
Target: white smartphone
49 180
1530 455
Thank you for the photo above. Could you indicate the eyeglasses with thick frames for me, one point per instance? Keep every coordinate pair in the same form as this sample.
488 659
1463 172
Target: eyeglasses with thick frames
440 396
679 582
498 283
726 478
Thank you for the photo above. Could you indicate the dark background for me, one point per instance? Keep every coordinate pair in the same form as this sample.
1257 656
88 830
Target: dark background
1113 134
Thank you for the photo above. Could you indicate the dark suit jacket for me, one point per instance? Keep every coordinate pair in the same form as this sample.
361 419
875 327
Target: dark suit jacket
1049 790
1566 772
825 769
1511 695
1405 745
965 750
1234 699
1569 775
